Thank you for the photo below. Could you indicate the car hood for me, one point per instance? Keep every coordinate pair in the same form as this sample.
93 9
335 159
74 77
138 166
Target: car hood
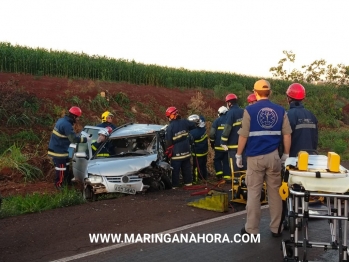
119 166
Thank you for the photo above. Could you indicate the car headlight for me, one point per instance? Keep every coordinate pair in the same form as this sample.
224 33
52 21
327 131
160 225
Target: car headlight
95 179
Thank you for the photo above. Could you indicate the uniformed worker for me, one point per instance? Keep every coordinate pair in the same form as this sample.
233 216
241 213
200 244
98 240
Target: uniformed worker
107 120
264 126
178 146
303 122
199 148
229 139
251 99
104 149
62 135
221 158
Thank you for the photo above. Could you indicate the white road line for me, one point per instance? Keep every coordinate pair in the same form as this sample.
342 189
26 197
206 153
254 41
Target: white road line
174 230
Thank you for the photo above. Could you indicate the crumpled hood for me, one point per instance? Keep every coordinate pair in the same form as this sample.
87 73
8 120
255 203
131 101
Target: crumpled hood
119 166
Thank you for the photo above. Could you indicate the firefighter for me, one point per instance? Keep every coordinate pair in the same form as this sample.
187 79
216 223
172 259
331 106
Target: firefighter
107 120
199 147
62 135
251 99
264 125
106 149
229 139
303 123
178 146
221 158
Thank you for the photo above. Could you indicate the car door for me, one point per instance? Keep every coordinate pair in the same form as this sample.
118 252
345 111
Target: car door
80 163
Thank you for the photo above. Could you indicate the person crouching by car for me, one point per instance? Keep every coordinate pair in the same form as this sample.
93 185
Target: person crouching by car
178 146
199 148
106 150
62 135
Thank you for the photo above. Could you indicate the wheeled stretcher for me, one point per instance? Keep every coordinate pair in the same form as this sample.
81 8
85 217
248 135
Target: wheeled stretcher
320 176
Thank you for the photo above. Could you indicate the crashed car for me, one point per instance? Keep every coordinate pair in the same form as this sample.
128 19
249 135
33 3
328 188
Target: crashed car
138 162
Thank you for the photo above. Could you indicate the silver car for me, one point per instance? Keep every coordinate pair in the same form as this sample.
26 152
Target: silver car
138 161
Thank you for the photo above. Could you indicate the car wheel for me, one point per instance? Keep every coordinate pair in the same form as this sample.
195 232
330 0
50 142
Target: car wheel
88 193
167 181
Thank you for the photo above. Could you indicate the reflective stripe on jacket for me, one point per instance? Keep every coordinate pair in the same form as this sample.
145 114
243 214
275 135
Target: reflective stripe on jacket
177 134
304 128
230 135
265 127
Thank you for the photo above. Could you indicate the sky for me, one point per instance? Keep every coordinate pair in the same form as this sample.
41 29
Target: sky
245 37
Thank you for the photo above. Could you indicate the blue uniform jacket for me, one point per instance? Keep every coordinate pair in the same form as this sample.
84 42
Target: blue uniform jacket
304 128
62 135
200 147
230 135
177 134
217 130
105 124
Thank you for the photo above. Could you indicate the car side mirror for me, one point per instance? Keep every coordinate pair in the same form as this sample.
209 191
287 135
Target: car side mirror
81 155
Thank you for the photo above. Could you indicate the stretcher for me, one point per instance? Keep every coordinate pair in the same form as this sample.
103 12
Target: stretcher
308 176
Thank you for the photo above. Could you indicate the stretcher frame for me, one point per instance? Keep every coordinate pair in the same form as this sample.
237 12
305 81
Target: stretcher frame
299 215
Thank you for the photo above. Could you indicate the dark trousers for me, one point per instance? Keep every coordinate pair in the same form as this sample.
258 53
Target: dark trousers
62 171
183 165
232 162
199 167
221 163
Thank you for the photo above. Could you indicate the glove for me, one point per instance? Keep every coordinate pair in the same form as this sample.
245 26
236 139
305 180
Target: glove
239 161
225 147
169 151
283 158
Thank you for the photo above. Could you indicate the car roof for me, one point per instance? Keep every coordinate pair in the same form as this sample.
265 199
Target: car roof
132 129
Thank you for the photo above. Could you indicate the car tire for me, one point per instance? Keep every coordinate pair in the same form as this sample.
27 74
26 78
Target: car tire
88 194
167 181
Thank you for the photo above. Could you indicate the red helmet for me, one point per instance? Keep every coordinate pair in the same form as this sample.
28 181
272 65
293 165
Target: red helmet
109 129
171 111
251 98
75 111
230 97
296 91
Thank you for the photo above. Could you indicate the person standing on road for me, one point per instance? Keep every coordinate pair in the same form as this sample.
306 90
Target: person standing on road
107 120
178 146
62 135
303 122
229 139
264 126
221 158
200 148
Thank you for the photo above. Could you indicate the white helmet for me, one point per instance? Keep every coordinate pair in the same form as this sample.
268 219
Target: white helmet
103 132
194 118
222 110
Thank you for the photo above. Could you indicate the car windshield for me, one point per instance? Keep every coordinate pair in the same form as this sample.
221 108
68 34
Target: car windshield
131 146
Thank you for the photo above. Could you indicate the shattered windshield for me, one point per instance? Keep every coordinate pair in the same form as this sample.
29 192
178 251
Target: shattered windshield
131 146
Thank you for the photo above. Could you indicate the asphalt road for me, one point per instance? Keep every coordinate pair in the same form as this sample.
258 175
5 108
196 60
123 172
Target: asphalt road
269 248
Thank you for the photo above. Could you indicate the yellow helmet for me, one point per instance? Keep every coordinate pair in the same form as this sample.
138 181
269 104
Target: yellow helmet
105 115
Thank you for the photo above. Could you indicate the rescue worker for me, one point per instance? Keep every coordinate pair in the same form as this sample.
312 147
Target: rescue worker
178 146
62 135
229 139
221 158
264 126
106 149
303 122
251 99
199 148
107 120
